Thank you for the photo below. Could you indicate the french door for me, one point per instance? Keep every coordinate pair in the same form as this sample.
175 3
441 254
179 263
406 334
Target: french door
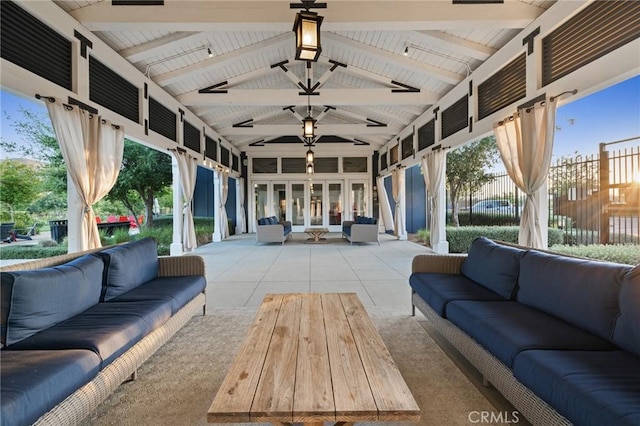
306 204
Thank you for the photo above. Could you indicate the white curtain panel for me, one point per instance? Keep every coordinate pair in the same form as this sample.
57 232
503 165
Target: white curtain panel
92 149
187 169
385 207
397 182
243 213
433 168
222 210
525 141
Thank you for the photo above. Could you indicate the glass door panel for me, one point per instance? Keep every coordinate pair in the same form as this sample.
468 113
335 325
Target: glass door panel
261 201
358 198
280 201
315 204
335 206
298 204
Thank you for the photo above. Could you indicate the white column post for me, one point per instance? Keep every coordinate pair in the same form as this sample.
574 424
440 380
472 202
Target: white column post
176 248
441 245
217 231
74 217
402 232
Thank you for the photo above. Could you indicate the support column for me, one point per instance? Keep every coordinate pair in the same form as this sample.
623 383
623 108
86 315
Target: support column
441 245
74 217
176 248
217 231
402 223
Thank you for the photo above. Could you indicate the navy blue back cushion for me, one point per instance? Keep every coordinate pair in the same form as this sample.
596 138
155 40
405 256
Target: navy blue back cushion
274 220
128 266
262 221
627 332
581 292
493 266
38 299
360 220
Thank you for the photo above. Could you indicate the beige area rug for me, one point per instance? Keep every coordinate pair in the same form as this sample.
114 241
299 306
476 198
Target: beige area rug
176 385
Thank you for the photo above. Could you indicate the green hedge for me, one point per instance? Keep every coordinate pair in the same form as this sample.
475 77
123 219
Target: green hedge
484 219
620 253
31 252
461 238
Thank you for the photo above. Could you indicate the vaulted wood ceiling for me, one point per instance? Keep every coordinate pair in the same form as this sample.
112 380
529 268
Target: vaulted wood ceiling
252 90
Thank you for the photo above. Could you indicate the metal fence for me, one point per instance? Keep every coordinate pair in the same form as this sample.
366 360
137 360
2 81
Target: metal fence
593 199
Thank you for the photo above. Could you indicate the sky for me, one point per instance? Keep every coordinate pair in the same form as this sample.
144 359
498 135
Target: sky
606 116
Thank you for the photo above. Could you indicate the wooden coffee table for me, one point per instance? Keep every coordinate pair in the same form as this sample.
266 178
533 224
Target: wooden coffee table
311 358
316 235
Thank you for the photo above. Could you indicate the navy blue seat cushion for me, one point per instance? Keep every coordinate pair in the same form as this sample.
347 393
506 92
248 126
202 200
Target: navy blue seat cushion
346 230
287 228
493 266
587 387
439 289
507 328
129 265
177 290
581 292
33 382
35 300
627 331
108 329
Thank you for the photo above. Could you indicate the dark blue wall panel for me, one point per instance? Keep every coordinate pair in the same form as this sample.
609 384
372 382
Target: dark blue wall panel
231 203
416 200
389 189
203 194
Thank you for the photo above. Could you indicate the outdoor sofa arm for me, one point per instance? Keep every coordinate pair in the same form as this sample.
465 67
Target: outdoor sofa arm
364 232
180 266
270 233
438 263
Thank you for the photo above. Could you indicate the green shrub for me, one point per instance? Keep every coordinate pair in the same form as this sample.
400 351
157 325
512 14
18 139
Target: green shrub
461 238
167 221
484 219
21 219
31 252
619 253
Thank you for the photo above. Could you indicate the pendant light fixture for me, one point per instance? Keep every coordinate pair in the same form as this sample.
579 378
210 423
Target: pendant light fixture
307 29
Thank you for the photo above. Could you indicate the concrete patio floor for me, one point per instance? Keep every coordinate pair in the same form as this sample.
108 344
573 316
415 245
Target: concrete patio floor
240 273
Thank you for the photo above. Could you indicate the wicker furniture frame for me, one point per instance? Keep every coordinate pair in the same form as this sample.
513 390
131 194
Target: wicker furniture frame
534 409
86 399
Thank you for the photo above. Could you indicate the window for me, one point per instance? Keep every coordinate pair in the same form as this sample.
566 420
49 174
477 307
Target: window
265 165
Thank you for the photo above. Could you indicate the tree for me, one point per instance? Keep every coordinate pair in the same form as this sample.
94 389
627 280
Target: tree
145 171
18 185
39 142
466 169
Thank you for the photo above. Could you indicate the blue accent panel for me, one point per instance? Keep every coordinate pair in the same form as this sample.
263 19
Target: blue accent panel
493 266
627 331
230 205
129 266
416 199
589 388
507 328
581 292
33 382
439 289
388 187
108 329
203 205
39 299
178 291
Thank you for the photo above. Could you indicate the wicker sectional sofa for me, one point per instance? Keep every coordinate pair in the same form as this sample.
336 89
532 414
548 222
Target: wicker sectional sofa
362 230
559 337
75 327
271 230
